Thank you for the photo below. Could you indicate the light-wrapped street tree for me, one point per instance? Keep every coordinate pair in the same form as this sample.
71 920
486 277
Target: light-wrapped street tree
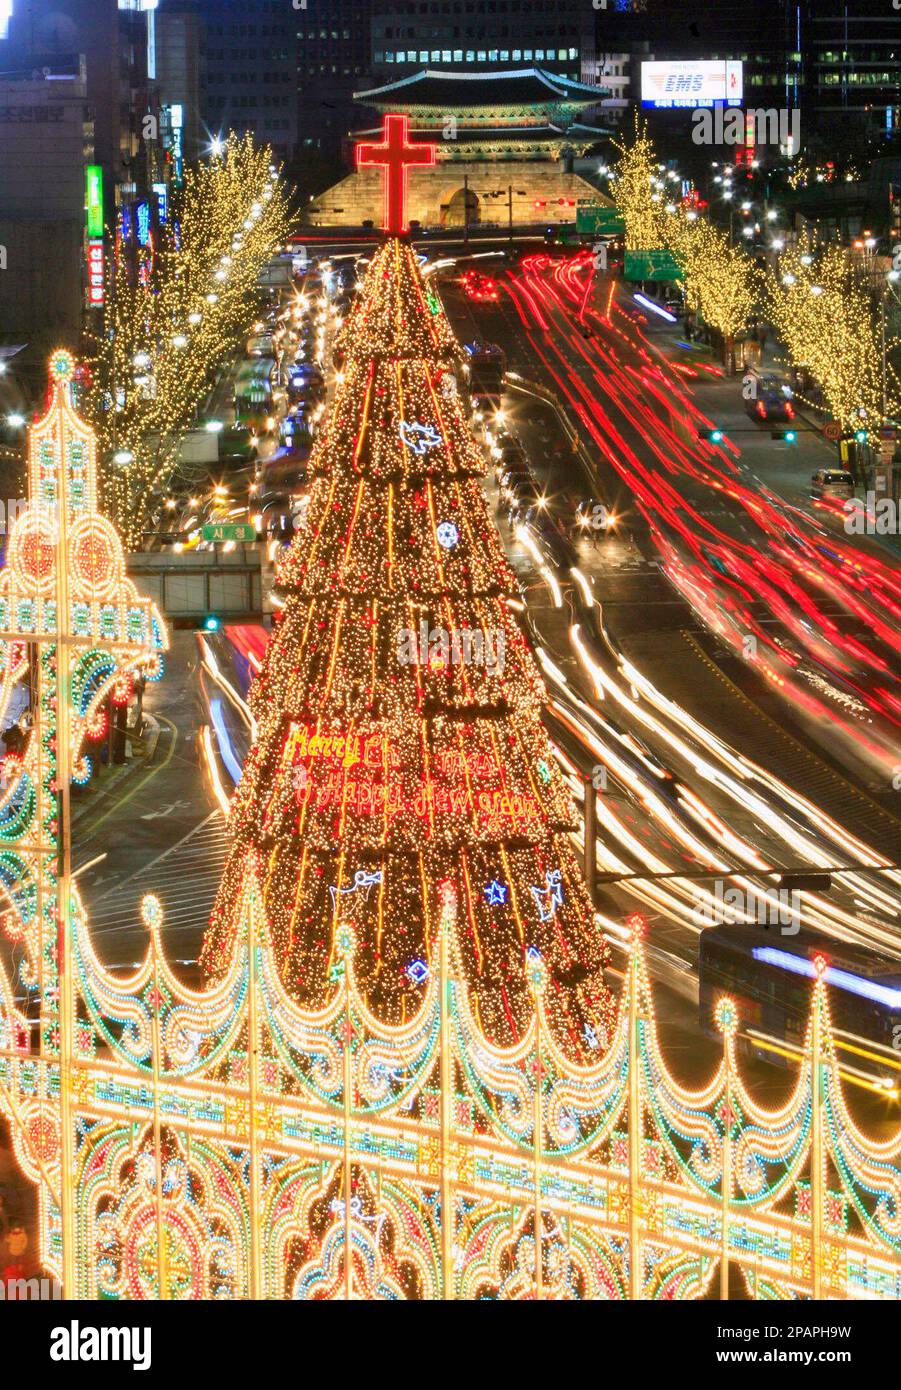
171 319
824 313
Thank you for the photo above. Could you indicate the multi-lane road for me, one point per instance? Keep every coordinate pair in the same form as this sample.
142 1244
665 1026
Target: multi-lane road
812 612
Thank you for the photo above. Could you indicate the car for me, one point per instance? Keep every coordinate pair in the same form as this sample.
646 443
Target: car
513 465
523 495
512 450
286 470
767 395
551 537
479 286
832 482
512 478
593 517
237 446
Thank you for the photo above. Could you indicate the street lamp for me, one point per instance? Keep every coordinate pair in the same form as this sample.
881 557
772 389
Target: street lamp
123 458
214 426
15 420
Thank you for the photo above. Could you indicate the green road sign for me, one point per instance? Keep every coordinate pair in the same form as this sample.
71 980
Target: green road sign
650 265
605 220
229 531
94 200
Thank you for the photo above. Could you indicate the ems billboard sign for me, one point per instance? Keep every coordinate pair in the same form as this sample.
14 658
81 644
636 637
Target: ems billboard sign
692 83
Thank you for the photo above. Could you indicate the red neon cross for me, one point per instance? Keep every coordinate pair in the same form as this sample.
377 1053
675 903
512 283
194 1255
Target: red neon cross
395 155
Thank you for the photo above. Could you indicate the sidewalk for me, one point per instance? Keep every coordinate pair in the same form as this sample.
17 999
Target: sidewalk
111 782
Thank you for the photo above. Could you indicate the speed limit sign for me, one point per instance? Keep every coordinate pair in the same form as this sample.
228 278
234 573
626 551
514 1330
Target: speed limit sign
832 430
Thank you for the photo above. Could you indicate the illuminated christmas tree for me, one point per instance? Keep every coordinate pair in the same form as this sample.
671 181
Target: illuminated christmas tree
400 762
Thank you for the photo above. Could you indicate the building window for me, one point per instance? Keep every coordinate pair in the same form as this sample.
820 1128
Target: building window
458 55
517 54
481 55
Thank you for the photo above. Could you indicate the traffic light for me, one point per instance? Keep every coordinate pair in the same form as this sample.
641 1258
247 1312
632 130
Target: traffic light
712 436
860 436
786 436
211 623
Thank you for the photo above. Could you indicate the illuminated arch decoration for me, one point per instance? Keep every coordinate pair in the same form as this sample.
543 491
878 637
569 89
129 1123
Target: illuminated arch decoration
255 1150
110 633
200 1220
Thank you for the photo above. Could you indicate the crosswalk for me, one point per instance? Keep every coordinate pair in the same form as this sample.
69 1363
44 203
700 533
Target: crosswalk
184 877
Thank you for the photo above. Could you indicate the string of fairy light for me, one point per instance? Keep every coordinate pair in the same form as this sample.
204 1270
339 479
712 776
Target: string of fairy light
822 312
821 307
170 324
390 763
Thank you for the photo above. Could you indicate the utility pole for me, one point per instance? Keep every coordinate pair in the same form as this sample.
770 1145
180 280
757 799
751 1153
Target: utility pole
882 299
465 209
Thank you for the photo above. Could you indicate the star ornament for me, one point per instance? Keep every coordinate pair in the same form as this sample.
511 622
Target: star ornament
447 534
496 893
550 897
417 972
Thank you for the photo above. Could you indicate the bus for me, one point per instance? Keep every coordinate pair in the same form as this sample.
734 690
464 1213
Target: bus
253 393
770 975
487 364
